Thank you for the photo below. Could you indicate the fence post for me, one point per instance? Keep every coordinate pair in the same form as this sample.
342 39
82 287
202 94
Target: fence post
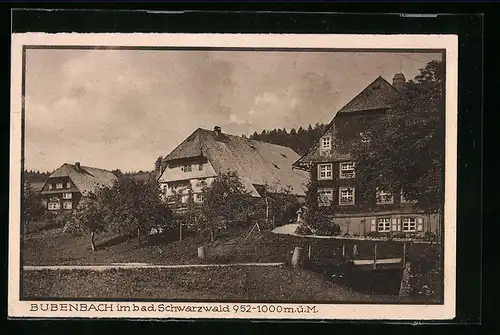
201 252
404 254
375 256
309 253
355 250
296 257
343 253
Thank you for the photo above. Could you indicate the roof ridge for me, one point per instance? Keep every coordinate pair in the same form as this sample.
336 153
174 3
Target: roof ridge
247 139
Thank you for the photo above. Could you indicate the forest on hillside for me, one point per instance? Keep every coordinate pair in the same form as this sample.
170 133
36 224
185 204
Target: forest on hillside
36 176
300 140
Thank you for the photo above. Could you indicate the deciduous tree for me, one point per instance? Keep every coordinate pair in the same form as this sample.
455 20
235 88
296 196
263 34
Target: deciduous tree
225 200
31 207
406 148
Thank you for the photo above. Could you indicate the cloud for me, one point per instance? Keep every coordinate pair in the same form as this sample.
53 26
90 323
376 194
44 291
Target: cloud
122 109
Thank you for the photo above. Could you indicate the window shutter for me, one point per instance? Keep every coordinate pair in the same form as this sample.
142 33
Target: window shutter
420 224
394 224
373 226
399 224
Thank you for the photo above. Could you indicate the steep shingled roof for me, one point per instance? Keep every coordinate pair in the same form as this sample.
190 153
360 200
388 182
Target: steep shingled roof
257 163
87 179
380 94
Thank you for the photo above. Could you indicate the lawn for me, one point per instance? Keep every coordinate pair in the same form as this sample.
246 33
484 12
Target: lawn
235 283
52 247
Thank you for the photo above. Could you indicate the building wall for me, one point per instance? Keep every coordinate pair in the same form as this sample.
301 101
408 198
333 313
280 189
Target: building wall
57 195
364 223
177 179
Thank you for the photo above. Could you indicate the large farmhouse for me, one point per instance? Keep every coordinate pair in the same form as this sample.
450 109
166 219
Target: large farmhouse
206 153
330 163
69 183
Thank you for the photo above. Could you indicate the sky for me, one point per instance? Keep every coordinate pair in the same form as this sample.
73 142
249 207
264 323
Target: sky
121 109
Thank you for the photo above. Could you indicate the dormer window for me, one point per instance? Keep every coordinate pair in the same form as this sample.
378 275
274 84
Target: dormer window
346 170
365 138
384 197
59 186
50 187
326 142
186 168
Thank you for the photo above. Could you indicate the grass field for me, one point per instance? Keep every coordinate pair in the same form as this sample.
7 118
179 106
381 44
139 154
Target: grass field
235 283
52 247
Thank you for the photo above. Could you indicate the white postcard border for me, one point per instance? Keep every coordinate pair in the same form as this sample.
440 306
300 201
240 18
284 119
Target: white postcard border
17 308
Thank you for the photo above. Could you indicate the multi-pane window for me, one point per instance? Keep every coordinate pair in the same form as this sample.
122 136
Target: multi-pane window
67 205
67 195
199 197
346 170
325 171
346 196
326 142
186 168
365 138
406 201
383 224
59 186
53 206
325 196
68 184
409 224
201 182
384 197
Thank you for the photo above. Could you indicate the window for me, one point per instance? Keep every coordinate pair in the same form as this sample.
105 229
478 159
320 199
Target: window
68 184
409 224
199 197
325 171
186 168
67 195
53 206
59 186
200 167
325 196
50 187
383 225
384 197
184 199
201 182
406 201
346 196
346 170
67 205
326 142
365 138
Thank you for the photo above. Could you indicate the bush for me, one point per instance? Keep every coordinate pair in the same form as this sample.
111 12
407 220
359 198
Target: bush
430 236
62 218
399 235
329 230
303 230
373 234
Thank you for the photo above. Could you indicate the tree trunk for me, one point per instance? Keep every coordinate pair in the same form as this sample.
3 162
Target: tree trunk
267 211
92 240
212 234
180 230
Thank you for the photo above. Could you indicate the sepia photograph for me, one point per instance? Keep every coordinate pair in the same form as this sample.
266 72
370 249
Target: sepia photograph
185 176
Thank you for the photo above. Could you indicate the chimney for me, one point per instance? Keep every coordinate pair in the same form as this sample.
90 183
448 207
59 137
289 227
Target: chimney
398 81
77 166
217 131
